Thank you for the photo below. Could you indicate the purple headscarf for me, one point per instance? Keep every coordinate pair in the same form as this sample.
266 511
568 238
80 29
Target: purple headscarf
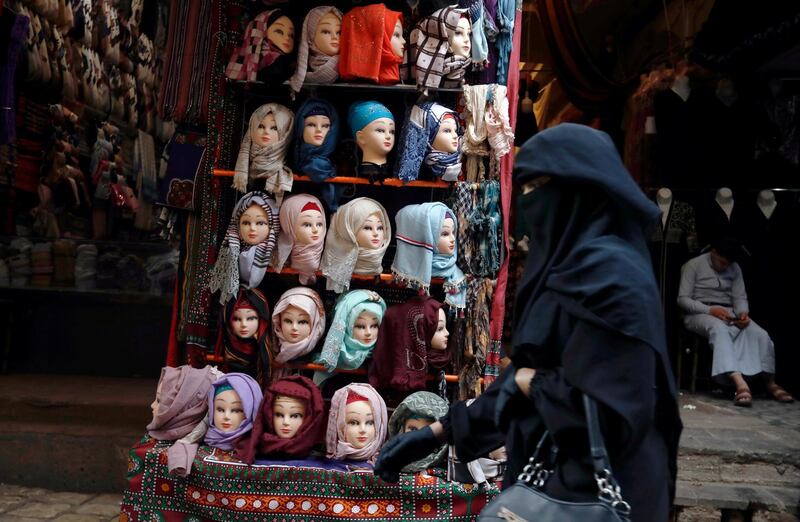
249 393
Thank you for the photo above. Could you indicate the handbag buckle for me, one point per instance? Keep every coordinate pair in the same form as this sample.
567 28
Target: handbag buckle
610 493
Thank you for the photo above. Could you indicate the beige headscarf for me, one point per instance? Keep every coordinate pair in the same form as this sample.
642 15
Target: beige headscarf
256 161
312 64
342 256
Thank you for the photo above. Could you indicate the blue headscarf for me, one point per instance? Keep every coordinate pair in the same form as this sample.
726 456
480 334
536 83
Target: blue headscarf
416 144
363 113
506 12
314 160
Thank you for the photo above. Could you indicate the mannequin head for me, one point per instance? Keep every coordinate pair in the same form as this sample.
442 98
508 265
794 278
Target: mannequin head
244 323
372 234
365 328
724 194
288 414
446 139
267 131
254 225
359 421
326 37
157 400
281 34
398 42
447 237
664 194
309 227
439 340
295 324
315 128
766 197
460 38
372 125
228 409
416 423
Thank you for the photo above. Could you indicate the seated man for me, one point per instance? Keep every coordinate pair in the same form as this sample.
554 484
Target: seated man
713 297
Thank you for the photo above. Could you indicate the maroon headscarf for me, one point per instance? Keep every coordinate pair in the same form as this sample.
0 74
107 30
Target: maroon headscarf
263 440
403 352
182 405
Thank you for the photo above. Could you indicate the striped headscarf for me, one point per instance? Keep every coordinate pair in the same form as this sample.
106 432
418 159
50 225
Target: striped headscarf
240 263
430 50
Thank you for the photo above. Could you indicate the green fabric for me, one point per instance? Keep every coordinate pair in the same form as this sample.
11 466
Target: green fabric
421 404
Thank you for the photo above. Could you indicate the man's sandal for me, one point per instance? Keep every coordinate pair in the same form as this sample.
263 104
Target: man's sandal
743 398
779 394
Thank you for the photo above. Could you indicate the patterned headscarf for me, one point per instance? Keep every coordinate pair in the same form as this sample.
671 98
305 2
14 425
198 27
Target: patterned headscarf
425 405
263 439
430 49
251 356
335 442
313 160
362 113
250 395
340 349
304 258
417 259
367 45
403 353
308 301
342 256
312 64
240 263
182 405
417 137
247 60
256 161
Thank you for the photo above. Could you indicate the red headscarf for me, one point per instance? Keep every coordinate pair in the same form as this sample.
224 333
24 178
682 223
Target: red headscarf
366 51
251 356
403 351
263 440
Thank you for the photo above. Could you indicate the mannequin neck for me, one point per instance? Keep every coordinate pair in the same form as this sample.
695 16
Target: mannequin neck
527 105
681 87
767 203
664 200
724 199
371 156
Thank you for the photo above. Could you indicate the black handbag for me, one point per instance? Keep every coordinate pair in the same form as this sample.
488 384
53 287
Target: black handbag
526 502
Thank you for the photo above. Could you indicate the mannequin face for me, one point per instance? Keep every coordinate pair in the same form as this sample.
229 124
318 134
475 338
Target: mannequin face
287 416
244 323
398 42
459 39
281 33
359 428
376 139
372 234
416 424
157 400
447 237
267 131
254 225
446 139
439 340
365 329
309 228
295 324
326 37
315 129
228 412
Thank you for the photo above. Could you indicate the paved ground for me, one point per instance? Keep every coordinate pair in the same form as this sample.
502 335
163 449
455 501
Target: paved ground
21 504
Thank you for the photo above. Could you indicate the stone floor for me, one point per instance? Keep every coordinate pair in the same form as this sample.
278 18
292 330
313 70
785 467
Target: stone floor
21 504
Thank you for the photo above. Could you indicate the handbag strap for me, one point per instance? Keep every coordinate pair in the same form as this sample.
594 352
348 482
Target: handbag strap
608 489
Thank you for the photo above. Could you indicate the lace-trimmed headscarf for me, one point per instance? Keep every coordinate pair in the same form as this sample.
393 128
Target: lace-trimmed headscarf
308 301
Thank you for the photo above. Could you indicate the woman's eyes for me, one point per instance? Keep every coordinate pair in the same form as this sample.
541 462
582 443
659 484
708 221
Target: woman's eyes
238 410
303 321
297 415
370 423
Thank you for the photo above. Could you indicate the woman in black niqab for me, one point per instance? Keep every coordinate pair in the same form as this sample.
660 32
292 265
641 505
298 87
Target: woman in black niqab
587 318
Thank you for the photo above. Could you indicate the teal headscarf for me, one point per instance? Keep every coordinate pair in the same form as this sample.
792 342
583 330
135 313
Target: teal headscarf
340 349
362 113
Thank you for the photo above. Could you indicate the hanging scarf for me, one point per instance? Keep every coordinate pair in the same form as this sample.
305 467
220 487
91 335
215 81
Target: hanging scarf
249 393
238 262
498 126
341 350
312 64
480 46
182 405
308 301
247 59
486 224
430 50
257 161
416 144
366 45
403 352
264 441
304 258
338 448
462 201
421 404
476 135
417 260
506 12
342 256
251 356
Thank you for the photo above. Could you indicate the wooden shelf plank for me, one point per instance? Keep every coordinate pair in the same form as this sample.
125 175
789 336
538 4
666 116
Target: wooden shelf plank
398 87
385 278
352 180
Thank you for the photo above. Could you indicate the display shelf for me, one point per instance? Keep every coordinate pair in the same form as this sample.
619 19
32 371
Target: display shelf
383 278
398 87
106 294
352 180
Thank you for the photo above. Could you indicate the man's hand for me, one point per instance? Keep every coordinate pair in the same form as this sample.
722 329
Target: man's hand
721 314
743 321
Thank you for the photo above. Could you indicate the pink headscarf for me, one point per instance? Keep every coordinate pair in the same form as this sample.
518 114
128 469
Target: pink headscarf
334 437
304 258
182 405
308 301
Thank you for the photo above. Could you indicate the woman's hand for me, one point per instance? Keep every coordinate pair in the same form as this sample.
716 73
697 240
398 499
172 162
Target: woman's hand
523 378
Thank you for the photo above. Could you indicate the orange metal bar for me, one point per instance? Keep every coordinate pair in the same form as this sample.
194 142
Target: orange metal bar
386 278
388 182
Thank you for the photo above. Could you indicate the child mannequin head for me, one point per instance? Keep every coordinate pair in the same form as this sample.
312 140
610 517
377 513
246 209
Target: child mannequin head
372 234
254 225
359 428
288 414
228 410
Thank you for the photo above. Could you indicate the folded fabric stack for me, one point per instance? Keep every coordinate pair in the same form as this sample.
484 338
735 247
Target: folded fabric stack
132 275
108 269
19 261
86 267
42 264
64 251
162 270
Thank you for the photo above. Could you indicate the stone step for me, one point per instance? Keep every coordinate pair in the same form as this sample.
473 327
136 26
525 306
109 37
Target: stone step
740 497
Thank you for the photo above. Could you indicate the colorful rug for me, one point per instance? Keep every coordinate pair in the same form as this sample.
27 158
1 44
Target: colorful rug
221 489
